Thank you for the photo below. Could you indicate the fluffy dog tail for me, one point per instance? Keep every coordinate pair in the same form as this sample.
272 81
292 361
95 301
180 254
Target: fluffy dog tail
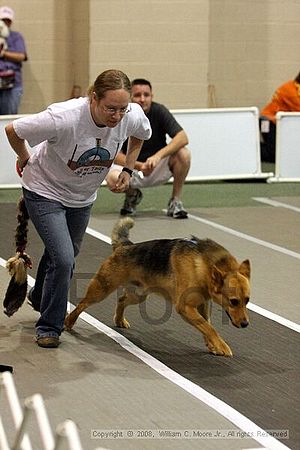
18 264
120 232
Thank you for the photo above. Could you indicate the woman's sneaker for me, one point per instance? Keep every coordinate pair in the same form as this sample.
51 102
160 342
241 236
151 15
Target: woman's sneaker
176 209
132 199
47 341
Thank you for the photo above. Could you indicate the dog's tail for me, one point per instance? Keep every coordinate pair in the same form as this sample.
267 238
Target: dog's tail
18 264
120 232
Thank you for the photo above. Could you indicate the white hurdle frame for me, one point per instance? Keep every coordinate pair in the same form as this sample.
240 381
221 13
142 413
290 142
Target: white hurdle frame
224 143
66 432
287 154
7 384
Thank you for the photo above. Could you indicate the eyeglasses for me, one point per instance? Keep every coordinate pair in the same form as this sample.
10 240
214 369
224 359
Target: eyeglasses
112 111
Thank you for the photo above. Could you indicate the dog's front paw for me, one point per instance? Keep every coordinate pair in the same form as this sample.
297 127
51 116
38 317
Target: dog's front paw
121 322
219 347
69 323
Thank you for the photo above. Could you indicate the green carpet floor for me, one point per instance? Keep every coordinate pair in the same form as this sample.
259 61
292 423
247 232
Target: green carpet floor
195 195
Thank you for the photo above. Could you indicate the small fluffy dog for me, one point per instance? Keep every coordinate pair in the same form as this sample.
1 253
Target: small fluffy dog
4 33
187 272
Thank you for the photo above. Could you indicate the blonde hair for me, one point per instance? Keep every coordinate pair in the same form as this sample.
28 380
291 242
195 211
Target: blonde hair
109 80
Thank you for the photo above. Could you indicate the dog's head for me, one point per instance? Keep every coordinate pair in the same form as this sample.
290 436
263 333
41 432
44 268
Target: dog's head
231 290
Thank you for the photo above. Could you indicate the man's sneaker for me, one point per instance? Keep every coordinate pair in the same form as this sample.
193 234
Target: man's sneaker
132 199
176 209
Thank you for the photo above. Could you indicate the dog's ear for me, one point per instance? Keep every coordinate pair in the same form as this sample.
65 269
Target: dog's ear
244 268
217 277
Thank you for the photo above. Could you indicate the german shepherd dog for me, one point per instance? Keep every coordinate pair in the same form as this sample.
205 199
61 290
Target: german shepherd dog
187 272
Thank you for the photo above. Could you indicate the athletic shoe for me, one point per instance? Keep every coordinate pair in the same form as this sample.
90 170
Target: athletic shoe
47 341
176 209
132 199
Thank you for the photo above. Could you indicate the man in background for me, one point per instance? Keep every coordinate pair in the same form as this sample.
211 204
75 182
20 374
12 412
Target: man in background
286 98
12 56
158 160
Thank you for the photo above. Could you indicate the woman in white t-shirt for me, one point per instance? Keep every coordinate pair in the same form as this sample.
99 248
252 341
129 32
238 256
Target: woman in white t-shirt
76 142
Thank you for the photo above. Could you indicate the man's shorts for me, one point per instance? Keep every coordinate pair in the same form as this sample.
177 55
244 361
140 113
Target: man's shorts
160 175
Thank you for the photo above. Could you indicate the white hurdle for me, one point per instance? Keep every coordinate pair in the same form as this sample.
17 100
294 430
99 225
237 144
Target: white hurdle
287 159
7 384
66 435
224 143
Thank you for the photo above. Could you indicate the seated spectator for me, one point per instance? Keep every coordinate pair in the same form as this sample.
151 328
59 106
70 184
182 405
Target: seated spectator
157 161
286 98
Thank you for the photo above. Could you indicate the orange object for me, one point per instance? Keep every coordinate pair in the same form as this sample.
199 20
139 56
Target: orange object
286 98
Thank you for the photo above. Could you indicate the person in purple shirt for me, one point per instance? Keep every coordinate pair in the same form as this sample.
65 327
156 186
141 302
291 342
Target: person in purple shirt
11 59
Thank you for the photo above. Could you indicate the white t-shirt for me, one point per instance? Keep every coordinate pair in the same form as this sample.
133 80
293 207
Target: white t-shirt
73 154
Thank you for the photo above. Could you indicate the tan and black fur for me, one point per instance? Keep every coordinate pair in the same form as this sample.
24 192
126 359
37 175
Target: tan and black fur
187 272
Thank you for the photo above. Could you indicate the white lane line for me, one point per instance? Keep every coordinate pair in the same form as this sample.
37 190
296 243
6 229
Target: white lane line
275 203
275 317
247 237
98 235
2 262
239 420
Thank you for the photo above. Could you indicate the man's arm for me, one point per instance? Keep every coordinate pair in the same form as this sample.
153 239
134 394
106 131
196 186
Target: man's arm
13 56
179 140
17 50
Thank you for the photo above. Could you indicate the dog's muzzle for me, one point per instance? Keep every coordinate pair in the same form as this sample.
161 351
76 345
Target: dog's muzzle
243 324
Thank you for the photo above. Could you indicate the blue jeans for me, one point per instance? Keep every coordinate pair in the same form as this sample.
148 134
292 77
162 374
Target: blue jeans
10 100
61 230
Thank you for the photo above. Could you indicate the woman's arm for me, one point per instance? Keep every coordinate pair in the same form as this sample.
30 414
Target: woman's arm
133 150
18 145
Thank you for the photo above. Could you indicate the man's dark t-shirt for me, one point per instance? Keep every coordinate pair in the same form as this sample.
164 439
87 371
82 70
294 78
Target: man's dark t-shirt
163 123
